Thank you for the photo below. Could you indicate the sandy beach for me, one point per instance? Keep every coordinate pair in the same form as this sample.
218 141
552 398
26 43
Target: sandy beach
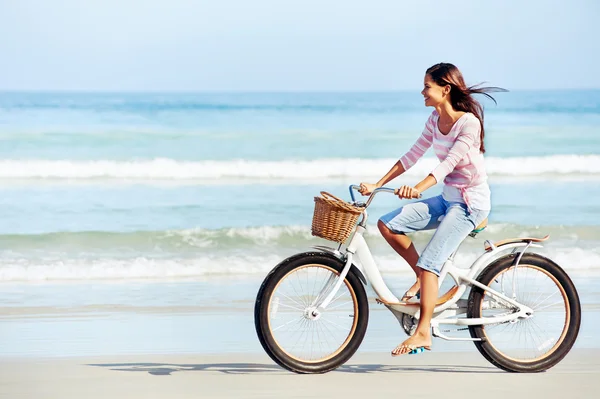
255 376
63 346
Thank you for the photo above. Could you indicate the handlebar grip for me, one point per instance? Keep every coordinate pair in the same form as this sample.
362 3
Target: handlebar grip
396 191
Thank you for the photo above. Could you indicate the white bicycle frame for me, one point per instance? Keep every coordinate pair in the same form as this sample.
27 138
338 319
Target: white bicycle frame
444 313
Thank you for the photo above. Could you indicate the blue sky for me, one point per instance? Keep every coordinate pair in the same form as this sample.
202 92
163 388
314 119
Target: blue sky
271 45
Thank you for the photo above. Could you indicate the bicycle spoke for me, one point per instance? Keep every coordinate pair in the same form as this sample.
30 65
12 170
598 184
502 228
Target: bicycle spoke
339 304
291 307
302 307
548 306
332 323
289 322
538 304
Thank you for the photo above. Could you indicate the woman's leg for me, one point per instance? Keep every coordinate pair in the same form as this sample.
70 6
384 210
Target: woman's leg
406 249
416 216
453 229
422 335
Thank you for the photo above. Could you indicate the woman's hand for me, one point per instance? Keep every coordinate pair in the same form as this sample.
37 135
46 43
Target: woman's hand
367 188
407 192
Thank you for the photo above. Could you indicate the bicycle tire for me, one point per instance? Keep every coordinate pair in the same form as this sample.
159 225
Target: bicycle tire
571 326
262 322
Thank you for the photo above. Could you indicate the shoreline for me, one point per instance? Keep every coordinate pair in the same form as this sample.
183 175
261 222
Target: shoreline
131 319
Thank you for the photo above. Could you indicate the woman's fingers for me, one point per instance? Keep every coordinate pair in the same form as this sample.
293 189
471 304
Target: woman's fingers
407 192
362 189
401 192
366 188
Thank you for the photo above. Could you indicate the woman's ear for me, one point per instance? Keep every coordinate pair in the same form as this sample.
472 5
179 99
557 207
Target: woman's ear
447 89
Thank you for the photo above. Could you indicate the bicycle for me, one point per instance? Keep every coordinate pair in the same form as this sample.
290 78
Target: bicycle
513 298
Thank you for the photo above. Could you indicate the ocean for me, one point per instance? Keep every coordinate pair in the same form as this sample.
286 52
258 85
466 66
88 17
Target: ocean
119 186
164 190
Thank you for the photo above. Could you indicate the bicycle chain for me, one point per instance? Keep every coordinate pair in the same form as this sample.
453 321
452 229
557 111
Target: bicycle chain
458 329
466 328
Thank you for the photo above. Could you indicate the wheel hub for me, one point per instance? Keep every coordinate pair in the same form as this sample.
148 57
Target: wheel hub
312 313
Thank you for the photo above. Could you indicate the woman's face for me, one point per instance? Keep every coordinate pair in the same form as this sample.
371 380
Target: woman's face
433 93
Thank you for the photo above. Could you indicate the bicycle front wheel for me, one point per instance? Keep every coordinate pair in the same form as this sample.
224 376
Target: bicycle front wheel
536 343
294 332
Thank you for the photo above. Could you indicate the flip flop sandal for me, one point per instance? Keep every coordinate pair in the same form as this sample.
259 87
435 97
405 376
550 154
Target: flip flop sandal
414 350
409 295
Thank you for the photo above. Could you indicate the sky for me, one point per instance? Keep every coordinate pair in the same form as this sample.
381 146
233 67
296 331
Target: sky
289 45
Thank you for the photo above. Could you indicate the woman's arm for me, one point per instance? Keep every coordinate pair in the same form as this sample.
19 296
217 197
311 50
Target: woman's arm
394 172
415 192
426 183
422 144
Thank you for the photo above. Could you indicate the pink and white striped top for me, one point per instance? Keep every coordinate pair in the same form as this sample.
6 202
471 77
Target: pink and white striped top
461 167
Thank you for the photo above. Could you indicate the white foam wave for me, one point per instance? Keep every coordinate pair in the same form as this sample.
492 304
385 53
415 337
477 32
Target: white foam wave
123 269
573 260
301 234
260 235
169 169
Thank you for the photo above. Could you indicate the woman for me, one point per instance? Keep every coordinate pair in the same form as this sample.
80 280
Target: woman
455 130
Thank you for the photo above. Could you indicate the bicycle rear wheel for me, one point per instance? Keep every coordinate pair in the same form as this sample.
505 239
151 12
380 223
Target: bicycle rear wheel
536 343
296 334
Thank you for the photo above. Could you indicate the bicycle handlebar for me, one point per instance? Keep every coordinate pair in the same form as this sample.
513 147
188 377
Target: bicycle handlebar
377 190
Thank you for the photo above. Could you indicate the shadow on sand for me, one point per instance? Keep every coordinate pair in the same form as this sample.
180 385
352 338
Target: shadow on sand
252 368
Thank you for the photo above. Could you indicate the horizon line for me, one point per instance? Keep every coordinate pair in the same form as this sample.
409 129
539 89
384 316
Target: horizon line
260 91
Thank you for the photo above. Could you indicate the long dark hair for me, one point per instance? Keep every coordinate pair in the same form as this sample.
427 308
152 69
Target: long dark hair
460 94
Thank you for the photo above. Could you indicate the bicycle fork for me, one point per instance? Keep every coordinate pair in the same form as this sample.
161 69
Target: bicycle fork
328 293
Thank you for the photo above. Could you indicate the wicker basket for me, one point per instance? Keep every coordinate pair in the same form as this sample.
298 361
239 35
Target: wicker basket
334 219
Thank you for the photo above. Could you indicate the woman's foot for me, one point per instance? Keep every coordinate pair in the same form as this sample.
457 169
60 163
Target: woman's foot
412 292
417 341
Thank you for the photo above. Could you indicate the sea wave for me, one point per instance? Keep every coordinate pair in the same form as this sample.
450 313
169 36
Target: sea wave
199 242
170 169
243 252
573 260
